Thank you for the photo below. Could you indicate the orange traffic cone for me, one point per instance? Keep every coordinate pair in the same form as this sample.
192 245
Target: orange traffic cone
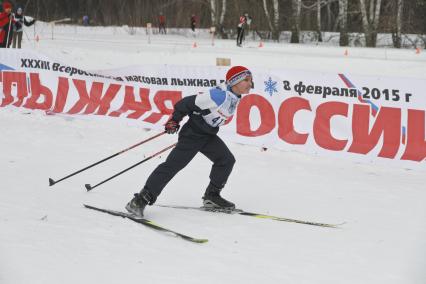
260 44
346 52
418 50
194 45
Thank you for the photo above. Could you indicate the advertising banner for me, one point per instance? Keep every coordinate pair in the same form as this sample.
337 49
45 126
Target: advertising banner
364 118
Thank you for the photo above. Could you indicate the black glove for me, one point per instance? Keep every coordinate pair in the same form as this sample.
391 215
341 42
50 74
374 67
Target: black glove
18 25
171 127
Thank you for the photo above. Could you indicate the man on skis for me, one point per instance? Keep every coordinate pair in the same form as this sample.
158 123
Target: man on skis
241 28
207 112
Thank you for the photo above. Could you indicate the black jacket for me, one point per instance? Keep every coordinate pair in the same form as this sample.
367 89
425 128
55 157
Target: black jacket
20 22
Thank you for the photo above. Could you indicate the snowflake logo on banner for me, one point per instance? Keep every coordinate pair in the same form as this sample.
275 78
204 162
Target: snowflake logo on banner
270 86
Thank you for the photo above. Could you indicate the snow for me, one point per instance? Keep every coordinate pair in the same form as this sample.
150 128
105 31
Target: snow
48 237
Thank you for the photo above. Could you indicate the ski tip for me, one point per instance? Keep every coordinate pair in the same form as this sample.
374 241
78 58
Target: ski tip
200 241
88 187
89 206
51 182
338 226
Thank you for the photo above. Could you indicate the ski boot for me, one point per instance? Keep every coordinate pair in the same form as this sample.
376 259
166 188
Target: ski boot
213 201
137 205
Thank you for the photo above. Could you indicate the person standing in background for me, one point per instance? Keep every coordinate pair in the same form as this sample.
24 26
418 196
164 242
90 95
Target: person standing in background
240 29
6 22
86 20
162 23
193 22
18 27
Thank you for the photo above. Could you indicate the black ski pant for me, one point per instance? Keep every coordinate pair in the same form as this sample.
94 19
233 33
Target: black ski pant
17 39
162 29
240 35
189 144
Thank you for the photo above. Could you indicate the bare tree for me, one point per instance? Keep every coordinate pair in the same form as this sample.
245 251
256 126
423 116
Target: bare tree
273 24
343 23
296 6
317 6
319 20
222 14
213 11
370 20
217 21
396 34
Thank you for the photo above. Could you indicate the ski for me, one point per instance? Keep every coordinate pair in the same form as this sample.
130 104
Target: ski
255 215
147 223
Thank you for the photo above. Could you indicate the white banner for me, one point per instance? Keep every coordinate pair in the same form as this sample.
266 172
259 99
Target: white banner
362 118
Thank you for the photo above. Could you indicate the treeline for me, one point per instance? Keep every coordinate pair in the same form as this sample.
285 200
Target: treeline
269 17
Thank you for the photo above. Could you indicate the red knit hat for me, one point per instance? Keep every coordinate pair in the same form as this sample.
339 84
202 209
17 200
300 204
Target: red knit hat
7 5
236 74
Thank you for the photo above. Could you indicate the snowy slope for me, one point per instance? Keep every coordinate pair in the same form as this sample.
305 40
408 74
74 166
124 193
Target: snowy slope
48 237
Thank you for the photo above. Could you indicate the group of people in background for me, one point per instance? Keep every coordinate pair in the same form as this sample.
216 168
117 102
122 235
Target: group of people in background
243 25
11 26
162 23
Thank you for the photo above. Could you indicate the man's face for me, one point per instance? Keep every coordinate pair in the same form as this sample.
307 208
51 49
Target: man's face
244 86
8 10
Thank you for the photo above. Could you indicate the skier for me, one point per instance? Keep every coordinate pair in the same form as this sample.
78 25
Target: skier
86 20
207 111
193 22
6 22
162 23
240 29
18 27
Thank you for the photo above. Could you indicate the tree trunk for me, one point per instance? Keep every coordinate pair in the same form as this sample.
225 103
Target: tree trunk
296 6
396 35
319 20
370 21
276 31
273 24
222 15
329 18
218 23
221 20
213 12
268 17
343 20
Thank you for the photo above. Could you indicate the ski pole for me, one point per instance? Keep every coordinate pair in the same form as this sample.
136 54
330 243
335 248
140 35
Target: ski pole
52 182
89 187
8 33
